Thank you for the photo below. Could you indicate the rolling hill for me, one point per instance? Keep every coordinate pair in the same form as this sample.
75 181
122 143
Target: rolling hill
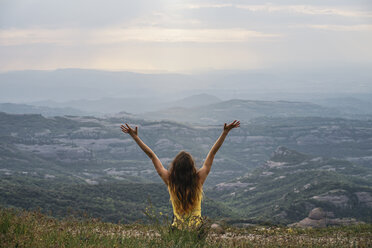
289 185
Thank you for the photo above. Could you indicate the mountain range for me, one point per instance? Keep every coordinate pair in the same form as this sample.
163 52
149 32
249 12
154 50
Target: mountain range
243 110
263 172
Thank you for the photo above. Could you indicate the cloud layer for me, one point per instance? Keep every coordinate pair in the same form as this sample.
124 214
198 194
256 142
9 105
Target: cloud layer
165 35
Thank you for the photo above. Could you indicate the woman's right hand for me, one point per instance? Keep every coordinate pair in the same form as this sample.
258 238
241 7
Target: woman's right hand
127 129
228 127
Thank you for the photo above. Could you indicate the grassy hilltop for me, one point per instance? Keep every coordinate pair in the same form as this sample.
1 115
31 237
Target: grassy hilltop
33 229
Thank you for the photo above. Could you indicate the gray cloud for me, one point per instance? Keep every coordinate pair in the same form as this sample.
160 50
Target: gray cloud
180 35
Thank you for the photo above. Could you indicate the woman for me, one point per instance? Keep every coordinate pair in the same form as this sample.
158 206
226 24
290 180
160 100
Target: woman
184 181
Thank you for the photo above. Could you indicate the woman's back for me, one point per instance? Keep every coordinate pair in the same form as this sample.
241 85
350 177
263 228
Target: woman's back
185 190
192 218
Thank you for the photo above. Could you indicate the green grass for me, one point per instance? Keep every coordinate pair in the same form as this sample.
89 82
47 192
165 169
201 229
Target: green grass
33 229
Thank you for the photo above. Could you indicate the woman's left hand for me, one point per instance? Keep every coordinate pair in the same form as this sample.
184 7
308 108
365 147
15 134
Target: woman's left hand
228 127
127 129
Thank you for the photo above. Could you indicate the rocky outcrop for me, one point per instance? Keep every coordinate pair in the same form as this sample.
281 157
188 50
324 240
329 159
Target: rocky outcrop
317 214
283 154
337 197
364 198
319 218
316 218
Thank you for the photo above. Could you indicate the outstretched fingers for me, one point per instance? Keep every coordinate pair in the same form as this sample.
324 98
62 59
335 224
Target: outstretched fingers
124 129
236 123
128 129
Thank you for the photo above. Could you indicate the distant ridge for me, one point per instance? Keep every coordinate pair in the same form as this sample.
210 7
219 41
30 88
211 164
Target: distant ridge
71 84
135 105
12 108
243 110
196 100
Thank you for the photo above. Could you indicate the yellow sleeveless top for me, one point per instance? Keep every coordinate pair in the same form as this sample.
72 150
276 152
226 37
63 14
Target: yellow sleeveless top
189 220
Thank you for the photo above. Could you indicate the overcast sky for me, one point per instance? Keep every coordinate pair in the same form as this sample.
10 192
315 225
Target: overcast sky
184 36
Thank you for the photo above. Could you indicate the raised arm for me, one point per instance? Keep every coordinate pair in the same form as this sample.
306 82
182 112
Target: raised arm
163 173
206 168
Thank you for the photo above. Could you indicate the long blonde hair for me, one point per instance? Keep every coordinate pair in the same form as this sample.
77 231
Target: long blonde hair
184 185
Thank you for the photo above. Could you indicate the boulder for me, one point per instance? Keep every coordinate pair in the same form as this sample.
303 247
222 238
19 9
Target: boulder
217 228
317 214
318 218
307 222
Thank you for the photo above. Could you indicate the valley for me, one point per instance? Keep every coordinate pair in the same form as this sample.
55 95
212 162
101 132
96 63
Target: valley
271 169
